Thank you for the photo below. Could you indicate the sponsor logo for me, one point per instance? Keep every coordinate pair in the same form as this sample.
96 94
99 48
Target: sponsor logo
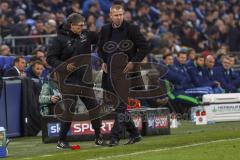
80 128
161 122
138 122
53 129
158 122
226 108
85 127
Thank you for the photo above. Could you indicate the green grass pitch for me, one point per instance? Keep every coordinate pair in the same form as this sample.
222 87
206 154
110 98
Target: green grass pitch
220 141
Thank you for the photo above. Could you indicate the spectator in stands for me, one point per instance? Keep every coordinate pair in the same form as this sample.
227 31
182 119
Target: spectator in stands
91 23
189 37
164 27
181 68
226 76
200 78
191 57
51 26
128 16
60 17
219 59
223 31
57 5
172 75
39 29
177 96
233 34
5 50
196 72
36 70
93 9
105 5
5 8
31 61
200 10
132 8
232 59
49 96
18 68
210 64
144 18
40 54
216 23
100 22
42 6
73 8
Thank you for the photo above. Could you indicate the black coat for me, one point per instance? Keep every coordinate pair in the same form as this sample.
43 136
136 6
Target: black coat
136 53
12 72
131 32
67 45
30 108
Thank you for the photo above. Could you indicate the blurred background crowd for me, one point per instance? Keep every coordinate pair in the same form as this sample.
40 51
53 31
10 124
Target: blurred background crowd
204 25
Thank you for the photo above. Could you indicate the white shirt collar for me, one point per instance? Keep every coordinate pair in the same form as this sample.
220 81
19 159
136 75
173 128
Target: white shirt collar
19 73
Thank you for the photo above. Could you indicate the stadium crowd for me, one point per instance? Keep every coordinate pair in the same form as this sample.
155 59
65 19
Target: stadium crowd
197 38
199 24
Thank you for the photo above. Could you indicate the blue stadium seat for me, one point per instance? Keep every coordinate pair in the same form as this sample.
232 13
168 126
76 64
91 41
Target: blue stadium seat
8 62
27 58
2 62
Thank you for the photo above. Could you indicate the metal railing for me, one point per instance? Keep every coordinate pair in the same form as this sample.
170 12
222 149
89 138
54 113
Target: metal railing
26 44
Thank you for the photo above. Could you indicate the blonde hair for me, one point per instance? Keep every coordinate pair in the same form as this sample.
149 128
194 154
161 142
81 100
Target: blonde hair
116 7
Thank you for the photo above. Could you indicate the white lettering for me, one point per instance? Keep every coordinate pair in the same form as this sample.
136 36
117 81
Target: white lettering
77 128
85 126
53 129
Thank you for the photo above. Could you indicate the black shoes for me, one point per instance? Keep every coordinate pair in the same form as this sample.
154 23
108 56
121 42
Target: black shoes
63 145
113 142
99 141
133 140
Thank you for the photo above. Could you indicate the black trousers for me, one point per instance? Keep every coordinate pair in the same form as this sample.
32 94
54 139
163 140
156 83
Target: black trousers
122 116
123 120
70 106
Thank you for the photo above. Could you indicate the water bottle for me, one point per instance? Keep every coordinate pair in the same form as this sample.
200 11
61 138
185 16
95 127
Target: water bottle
2 137
3 145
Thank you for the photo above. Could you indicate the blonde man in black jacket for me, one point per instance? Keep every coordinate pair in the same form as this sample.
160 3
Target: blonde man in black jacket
121 45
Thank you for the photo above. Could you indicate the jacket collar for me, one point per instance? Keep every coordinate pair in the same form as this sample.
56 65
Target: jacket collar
110 29
121 28
64 30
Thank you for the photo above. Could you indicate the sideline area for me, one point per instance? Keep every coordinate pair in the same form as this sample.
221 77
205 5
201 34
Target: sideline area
220 140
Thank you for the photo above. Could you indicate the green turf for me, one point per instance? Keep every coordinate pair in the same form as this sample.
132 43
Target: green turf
186 134
215 151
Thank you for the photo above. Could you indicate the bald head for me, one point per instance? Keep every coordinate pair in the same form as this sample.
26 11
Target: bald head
210 61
